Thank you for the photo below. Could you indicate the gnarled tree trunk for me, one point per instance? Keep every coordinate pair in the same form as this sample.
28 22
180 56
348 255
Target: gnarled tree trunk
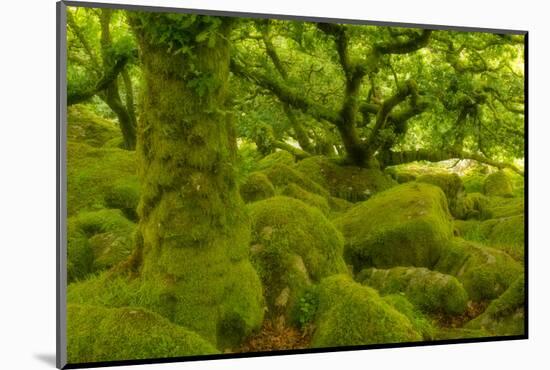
193 230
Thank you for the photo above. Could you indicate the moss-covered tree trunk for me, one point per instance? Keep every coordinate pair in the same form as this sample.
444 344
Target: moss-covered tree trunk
193 231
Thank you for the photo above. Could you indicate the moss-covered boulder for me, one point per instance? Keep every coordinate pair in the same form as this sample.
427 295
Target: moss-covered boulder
471 206
292 245
450 183
80 256
407 225
282 175
112 334
419 321
276 158
431 291
124 196
348 182
351 314
94 174
107 289
506 234
498 184
400 175
256 187
485 272
311 199
97 240
499 207
85 126
506 314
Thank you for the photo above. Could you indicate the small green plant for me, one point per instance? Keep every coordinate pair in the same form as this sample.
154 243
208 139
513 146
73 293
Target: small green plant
306 308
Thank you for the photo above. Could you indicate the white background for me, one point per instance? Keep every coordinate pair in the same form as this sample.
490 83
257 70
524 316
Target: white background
27 182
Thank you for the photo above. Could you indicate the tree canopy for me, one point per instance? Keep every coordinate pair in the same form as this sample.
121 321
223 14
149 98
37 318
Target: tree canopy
366 94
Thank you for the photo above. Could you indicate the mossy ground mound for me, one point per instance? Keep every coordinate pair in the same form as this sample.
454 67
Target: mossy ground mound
338 204
485 272
282 175
450 183
292 245
111 334
407 225
505 315
459 333
95 174
347 182
431 291
87 127
96 241
311 199
498 184
256 187
276 158
352 314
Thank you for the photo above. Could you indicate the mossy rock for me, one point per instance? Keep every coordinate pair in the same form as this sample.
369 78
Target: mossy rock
113 334
292 246
499 207
311 199
110 234
97 240
498 184
80 256
282 175
407 225
471 206
431 291
124 196
450 183
94 174
347 182
85 126
419 321
479 206
506 314
506 234
256 187
279 157
400 175
106 289
351 314
485 272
